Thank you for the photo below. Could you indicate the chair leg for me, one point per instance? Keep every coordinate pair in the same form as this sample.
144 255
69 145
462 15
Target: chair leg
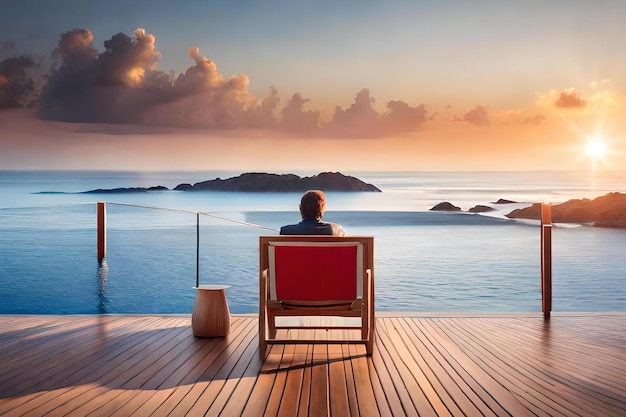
369 345
271 318
371 335
262 349
262 334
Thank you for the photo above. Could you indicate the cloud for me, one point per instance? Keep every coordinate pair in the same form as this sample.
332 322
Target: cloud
402 118
294 118
362 120
520 116
123 85
127 61
201 97
17 88
78 90
111 87
603 98
477 116
533 120
596 84
76 46
569 99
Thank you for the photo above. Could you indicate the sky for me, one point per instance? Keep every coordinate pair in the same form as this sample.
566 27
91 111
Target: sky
294 86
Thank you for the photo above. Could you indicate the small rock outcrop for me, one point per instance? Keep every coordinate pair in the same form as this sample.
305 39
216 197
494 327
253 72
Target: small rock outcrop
126 190
264 182
504 201
605 211
481 209
445 206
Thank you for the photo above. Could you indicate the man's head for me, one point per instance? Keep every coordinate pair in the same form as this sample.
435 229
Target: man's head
313 204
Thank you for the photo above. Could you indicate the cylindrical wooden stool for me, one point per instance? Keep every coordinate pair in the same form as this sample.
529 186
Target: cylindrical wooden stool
211 316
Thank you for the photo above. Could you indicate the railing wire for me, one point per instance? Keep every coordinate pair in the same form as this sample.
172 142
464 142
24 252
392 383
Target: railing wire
198 213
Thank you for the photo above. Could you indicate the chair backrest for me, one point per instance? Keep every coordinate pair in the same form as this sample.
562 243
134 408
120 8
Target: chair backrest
315 271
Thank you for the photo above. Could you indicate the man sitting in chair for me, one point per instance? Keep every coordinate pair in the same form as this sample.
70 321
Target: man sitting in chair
312 208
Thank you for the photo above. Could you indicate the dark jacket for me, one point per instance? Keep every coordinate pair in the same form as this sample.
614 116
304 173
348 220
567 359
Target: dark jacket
312 227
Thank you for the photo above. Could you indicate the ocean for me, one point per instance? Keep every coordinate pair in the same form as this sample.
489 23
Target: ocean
424 261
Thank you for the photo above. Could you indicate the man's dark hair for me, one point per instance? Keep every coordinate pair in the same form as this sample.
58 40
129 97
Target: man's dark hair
313 204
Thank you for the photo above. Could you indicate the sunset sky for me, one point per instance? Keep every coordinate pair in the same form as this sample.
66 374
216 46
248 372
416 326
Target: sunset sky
313 85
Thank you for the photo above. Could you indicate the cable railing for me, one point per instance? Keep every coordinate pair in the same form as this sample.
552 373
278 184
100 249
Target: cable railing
101 225
545 241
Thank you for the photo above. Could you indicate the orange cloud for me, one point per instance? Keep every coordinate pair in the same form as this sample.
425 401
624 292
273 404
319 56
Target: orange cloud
294 118
16 85
127 60
569 99
477 116
122 85
521 116
76 45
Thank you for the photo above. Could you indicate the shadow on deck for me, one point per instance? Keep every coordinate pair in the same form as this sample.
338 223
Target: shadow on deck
498 365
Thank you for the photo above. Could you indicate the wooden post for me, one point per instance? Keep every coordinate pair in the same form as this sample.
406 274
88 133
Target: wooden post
197 249
102 230
546 259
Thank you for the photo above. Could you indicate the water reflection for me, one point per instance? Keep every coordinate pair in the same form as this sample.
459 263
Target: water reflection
103 278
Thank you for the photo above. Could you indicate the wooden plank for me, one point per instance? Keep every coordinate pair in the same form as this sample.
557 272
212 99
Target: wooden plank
278 387
50 367
364 392
387 398
422 394
463 391
455 400
216 366
185 378
525 370
338 391
242 392
451 362
150 406
294 360
562 367
305 393
491 373
319 403
220 388
180 364
65 376
396 386
259 396
76 397
350 383
603 381
148 365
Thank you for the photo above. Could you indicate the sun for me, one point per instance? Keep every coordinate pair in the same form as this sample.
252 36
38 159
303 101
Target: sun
596 147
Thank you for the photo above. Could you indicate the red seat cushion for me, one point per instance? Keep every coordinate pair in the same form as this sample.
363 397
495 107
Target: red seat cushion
316 273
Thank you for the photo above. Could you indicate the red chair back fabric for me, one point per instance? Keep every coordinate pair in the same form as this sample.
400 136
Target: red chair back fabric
316 272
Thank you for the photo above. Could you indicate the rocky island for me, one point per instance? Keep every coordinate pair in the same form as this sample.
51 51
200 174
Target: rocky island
264 182
605 211
126 190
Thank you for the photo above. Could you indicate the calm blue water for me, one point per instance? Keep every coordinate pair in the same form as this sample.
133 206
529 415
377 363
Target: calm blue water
424 261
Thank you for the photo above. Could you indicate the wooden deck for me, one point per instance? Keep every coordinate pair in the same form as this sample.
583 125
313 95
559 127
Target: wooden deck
574 364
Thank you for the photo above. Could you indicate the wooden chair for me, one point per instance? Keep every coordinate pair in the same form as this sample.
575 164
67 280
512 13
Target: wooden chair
316 275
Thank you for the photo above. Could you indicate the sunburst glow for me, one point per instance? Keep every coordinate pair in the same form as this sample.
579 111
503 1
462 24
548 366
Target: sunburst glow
596 147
